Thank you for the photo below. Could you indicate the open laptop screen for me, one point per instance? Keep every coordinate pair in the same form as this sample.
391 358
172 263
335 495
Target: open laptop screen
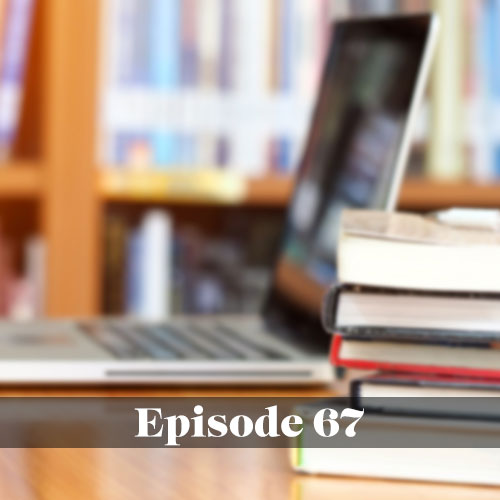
351 155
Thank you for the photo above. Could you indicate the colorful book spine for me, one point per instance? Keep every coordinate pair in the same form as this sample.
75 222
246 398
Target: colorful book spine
491 41
226 47
476 92
126 12
189 44
285 30
16 37
140 47
165 21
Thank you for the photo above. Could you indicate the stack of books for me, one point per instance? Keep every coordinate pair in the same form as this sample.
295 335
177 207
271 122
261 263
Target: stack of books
416 296
417 302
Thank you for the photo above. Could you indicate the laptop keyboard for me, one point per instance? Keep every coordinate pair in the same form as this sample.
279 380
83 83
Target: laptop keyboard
188 341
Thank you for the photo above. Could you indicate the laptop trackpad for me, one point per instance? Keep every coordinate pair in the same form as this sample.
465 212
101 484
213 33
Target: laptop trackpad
45 341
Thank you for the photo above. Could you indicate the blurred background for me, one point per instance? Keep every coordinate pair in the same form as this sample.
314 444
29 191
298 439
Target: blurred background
149 146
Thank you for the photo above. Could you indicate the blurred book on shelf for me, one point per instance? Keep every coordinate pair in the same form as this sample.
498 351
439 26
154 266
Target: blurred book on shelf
15 28
22 284
384 457
153 268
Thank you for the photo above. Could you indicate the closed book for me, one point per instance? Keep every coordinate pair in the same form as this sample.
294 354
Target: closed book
444 465
400 447
420 316
444 358
115 243
415 394
400 250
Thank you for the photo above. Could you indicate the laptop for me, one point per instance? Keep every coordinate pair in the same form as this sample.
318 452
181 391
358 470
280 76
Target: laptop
354 155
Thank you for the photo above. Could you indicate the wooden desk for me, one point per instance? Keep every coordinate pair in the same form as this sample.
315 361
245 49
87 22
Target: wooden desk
186 474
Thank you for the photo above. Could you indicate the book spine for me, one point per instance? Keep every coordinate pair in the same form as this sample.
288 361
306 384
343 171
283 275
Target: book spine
249 142
115 240
108 63
285 81
446 146
478 130
209 32
133 273
226 47
140 47
18 20
155 268
189 48
329 309
3 23
491 47
165 21
35 262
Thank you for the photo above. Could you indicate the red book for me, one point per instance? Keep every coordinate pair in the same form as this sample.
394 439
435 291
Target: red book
474 360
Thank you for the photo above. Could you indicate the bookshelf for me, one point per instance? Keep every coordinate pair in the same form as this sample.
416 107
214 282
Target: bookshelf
53 186
422 195
275 191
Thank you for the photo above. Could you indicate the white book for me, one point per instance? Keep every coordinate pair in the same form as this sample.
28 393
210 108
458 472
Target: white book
208 29
35 262
253 54
208 25
473 463
253 62
400 250
450 465
155 265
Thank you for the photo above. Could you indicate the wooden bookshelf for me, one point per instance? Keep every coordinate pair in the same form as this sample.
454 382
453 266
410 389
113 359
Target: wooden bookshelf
416 194
124 186
428 195
63 194
275 191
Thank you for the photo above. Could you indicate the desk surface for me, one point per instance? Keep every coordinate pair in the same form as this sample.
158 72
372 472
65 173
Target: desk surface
186 474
